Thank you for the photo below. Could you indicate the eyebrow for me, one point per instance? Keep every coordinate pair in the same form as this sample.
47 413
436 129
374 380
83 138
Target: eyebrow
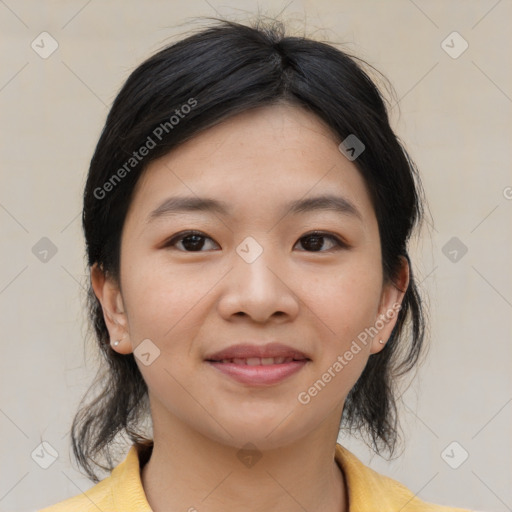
179 204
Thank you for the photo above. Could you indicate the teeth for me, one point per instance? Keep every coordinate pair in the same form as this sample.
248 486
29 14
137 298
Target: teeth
259 361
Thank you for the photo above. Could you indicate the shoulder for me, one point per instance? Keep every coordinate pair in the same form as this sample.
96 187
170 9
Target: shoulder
369 490
122 490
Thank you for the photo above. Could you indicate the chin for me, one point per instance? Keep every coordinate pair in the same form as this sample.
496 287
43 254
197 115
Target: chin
265 432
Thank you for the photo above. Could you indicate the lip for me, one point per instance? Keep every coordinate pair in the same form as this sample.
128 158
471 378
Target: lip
247 350
261 374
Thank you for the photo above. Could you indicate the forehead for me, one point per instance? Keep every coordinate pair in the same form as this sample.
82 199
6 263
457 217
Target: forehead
255 160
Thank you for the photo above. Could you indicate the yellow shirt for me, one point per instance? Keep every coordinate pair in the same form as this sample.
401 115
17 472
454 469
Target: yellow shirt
368 491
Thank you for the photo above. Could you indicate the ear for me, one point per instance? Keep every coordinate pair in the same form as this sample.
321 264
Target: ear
390 304
108 293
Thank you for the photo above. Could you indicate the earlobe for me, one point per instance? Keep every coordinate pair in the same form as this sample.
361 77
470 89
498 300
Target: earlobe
109 295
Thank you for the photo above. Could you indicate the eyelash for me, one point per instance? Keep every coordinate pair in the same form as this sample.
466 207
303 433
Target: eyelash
339 243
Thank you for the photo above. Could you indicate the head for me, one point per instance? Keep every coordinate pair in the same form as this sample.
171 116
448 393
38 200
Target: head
253 119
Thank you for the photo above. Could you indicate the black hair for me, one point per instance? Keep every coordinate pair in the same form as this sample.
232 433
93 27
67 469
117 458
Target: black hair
189 86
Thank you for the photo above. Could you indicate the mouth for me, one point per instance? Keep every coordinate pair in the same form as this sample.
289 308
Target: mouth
258 365
257 361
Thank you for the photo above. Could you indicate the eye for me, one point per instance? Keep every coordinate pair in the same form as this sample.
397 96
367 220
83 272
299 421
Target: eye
314 241
192 241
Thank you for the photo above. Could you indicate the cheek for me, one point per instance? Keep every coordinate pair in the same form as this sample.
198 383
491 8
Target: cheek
346 306
345 301
345 309
160 298
163 306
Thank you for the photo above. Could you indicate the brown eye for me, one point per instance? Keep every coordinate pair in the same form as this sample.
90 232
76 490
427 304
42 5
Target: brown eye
191 241
315 242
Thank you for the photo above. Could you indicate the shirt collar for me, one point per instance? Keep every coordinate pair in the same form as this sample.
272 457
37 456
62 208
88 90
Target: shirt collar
367 490
127 490
363 484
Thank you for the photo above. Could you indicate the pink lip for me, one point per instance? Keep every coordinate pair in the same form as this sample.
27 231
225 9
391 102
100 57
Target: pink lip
245 351
261 374
258 375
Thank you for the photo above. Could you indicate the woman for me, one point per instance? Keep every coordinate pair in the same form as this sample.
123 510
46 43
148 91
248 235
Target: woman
246 214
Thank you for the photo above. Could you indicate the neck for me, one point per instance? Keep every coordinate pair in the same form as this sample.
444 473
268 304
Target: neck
187 471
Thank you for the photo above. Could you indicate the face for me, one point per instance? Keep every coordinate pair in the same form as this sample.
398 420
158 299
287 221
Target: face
265 265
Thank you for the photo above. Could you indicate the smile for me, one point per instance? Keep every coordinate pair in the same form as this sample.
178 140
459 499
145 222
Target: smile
257 371
259 361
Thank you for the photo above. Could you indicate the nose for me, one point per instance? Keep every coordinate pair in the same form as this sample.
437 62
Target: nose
261 290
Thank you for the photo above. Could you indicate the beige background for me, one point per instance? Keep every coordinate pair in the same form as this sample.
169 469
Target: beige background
455 119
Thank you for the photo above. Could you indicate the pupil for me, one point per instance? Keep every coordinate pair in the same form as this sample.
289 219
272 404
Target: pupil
197 244
317 245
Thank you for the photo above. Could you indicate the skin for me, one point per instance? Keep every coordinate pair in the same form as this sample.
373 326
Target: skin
192 302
